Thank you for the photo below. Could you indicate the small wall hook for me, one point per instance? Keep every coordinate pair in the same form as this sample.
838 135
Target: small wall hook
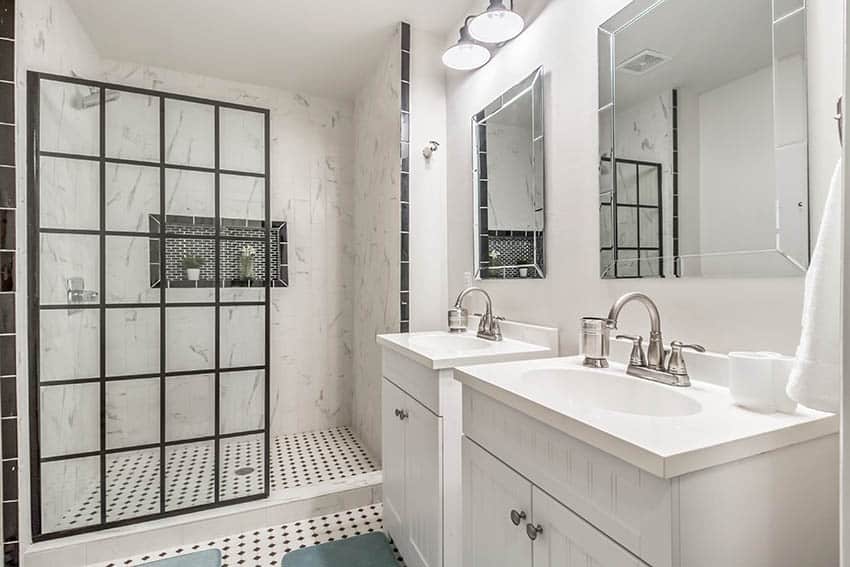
430 148
839 116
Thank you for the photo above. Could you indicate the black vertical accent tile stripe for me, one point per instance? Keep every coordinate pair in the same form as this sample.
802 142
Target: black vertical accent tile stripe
7 61
11 555
7 230
8 396
7 19
9 433
7 186
7 313
7 102
7 271
7 140
10 480
404 185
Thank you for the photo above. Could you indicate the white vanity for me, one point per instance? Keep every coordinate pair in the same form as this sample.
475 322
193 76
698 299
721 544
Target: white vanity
421 412
564 465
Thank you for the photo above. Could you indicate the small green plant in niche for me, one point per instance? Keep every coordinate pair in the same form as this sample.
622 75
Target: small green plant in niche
193 264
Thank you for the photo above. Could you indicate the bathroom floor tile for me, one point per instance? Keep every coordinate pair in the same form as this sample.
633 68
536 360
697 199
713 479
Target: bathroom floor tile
267 546
299 459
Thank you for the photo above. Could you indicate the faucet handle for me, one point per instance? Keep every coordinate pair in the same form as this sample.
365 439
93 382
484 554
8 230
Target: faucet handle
676 363
637 357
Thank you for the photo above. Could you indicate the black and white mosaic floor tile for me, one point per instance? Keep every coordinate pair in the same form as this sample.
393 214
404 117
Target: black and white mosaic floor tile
300 459
266 547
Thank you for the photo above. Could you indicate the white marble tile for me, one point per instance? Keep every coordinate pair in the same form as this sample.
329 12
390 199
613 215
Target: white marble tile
70 419
70 344
189 406
65 485
132 412
242 401
68 123
132 195
132 126
189 193
189 133
243 143
242 336
190 338
132 341
66 256
128 270
70 193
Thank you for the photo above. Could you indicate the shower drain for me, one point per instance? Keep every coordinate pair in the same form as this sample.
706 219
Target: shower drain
244 471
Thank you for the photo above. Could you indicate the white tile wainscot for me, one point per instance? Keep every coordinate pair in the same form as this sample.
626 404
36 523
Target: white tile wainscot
759 490
421 431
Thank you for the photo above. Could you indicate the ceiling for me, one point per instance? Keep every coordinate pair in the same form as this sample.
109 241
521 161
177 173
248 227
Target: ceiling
322 47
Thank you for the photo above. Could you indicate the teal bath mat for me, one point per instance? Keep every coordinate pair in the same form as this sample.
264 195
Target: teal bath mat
205 558
368 550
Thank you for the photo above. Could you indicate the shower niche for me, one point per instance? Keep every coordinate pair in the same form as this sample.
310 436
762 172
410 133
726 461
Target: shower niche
152 258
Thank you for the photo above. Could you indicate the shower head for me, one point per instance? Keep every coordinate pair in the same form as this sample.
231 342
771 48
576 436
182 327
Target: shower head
93 98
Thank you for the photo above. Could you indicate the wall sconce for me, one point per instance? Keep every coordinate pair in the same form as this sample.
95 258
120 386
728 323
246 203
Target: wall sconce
496 25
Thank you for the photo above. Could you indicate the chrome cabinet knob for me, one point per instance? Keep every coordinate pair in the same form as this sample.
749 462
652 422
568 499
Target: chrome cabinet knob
517 517
533 531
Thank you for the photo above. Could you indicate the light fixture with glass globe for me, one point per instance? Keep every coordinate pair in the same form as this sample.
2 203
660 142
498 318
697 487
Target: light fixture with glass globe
466 54
497 24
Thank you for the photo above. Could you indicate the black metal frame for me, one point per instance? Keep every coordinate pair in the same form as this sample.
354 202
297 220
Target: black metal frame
615 206
34 231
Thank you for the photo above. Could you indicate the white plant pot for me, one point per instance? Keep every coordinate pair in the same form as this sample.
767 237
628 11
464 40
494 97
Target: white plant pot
193 274
523 272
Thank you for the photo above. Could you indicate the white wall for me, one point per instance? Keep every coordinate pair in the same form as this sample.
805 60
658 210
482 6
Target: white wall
377 127
722 314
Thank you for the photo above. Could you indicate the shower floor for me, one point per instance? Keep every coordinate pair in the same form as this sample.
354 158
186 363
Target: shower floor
296 460
265 547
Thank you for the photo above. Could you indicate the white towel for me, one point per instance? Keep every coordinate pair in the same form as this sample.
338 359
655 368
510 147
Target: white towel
816 374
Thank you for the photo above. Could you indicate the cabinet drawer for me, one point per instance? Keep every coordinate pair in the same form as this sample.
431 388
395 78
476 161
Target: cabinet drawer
419 382
631 506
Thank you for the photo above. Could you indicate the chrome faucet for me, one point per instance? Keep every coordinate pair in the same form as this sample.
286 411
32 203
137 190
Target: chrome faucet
488 326
657 363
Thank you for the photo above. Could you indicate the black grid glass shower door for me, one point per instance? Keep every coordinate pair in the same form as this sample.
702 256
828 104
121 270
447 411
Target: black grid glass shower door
148 384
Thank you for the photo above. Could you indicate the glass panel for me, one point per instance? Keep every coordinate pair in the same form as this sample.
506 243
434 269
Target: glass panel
189 194
189 406
626 183
70 419
242 336
649 226
606 263
70 344
70 193
789 65
627 226
132 341
132 412
243 141
648 185
66 256
190 338
189 475
69 119
70 494
242 466
243 199
627 263
606 150
785 7
132 484
132 269
132 198
189 133
606 228
243 262
132 126
242 404
603 40
649 264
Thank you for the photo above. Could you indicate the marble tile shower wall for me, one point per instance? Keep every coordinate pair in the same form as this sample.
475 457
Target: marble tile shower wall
8 394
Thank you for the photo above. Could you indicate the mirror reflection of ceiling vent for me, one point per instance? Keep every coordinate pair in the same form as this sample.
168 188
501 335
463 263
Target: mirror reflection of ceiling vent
643 62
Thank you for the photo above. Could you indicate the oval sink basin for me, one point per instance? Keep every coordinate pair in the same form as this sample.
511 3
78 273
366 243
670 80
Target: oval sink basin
611 392
449 343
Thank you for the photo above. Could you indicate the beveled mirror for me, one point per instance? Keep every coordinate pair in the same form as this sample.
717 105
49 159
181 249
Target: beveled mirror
507 140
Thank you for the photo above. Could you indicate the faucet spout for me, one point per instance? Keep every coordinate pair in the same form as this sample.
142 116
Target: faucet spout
488 328
655 353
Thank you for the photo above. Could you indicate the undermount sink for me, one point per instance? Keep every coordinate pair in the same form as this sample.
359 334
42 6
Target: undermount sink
611 392
449 343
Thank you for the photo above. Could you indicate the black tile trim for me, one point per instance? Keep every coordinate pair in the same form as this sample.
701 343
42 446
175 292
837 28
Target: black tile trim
404 185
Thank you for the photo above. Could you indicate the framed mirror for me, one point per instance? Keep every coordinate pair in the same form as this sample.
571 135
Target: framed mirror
703 139
509 183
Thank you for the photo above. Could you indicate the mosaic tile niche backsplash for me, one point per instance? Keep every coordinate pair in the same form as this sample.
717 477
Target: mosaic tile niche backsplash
242 252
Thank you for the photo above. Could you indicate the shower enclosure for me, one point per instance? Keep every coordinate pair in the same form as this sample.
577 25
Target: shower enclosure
151 257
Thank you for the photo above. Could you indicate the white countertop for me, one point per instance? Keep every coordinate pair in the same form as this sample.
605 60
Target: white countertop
420 348
714 432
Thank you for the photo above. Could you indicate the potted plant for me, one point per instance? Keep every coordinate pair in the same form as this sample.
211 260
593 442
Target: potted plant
193 267
246 262
523 271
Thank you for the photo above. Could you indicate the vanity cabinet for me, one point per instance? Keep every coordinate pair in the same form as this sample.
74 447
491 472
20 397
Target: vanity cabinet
503 511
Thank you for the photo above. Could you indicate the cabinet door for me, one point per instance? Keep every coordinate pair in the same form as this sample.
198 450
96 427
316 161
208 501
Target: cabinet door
423 482
491 491
392 435
567 540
